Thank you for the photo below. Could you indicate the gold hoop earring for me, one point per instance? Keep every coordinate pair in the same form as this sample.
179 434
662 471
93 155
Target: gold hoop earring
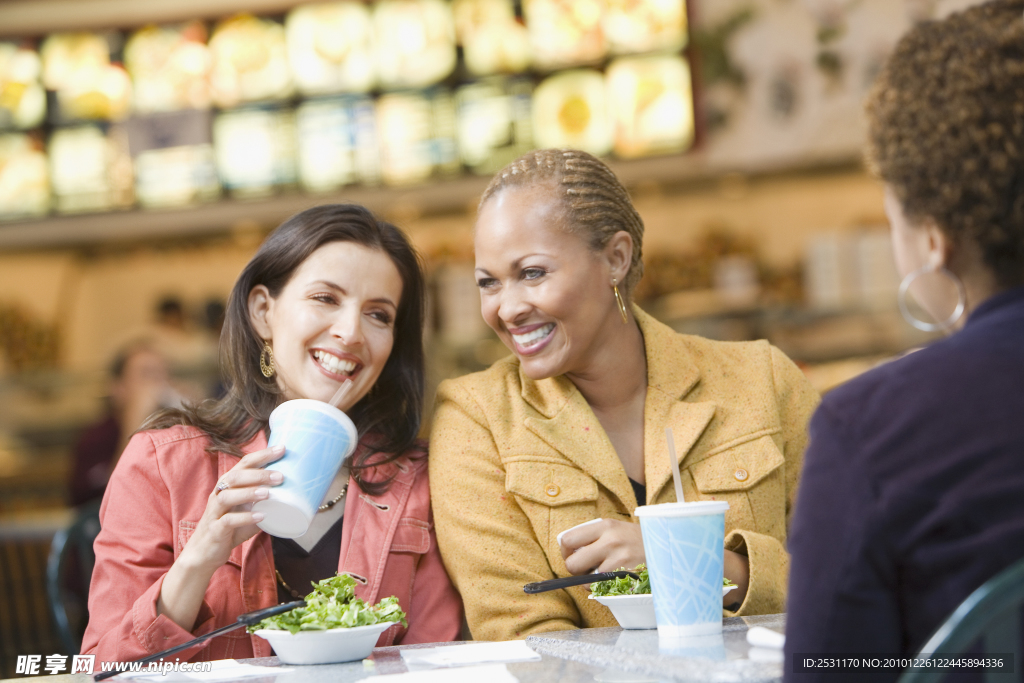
620 302
267 360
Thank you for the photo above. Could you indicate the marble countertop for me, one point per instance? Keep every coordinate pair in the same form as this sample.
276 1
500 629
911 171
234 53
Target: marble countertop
599 655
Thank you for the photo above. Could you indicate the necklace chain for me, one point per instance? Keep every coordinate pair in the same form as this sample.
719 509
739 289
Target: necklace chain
329 504
323 508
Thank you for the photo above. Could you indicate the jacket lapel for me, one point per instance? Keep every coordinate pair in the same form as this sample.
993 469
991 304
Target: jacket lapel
672 374
572 428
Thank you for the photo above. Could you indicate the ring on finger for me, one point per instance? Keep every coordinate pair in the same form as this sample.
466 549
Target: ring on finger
222 486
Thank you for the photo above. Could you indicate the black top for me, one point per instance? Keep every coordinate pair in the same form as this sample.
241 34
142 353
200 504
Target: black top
299 568
911 493
640 491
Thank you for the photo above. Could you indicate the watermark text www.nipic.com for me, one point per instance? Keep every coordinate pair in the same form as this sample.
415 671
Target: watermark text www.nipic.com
33 665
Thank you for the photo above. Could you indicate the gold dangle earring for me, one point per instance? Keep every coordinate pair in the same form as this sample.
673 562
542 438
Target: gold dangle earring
267 360
619 301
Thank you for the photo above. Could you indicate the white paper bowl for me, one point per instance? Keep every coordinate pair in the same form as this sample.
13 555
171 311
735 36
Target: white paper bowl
324 647
631 611
635 611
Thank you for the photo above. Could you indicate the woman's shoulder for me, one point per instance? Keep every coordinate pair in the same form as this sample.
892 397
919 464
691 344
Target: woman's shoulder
501 379
169 439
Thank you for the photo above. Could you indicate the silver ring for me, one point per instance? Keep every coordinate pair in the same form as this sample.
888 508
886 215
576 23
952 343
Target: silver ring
222 486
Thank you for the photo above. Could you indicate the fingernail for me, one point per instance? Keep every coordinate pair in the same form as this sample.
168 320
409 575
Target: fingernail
278 449
261 493
257 516
276 477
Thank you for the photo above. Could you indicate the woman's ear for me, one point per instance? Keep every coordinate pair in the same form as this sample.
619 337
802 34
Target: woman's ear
619 252
940 247
260 306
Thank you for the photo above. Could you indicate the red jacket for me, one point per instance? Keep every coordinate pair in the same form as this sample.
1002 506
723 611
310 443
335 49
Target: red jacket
154 500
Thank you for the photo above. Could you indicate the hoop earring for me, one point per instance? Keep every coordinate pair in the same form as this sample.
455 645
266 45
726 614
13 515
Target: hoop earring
620 302
946 325
267 360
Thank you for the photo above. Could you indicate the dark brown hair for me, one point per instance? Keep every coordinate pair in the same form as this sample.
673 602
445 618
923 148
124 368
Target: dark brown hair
388 417
946 122
596 204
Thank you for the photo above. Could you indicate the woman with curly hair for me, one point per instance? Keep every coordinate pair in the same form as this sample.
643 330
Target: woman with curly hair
910 496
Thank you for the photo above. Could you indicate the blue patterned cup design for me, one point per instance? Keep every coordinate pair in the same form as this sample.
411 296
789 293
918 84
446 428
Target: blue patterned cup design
317 438
684 544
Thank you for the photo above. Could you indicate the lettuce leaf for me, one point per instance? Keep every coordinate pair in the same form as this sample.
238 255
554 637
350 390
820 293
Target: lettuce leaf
630 586
333 604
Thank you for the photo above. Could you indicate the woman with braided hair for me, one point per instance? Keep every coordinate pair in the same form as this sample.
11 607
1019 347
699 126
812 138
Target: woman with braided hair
570 427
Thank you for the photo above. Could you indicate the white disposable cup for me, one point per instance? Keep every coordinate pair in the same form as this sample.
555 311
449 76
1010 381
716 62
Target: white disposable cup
684 544
317 438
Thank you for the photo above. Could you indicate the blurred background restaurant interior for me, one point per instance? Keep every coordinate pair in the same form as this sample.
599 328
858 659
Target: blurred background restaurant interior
146 148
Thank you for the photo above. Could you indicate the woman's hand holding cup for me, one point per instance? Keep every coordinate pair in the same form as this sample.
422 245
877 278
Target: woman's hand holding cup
226 523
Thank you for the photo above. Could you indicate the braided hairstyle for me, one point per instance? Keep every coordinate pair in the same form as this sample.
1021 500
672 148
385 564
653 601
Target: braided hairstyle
596 204
946 130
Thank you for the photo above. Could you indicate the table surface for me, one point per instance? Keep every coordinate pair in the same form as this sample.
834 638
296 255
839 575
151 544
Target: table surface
598 655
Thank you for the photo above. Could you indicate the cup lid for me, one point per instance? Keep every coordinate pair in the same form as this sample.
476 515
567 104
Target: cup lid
694 509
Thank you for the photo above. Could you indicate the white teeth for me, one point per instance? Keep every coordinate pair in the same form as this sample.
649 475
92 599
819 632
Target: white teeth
530 337
334 364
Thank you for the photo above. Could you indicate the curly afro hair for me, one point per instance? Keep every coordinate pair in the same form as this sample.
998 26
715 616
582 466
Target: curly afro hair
946 130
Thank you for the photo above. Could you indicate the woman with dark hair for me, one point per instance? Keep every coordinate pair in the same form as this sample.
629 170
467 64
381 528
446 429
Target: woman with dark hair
333 294
911 493
571 427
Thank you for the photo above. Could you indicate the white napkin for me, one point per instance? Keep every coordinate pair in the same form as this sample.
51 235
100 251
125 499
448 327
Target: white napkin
492 673
759 636
558 538
471 653
221 670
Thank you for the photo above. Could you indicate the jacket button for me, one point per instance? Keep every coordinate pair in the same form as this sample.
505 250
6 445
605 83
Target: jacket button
553 490
741 474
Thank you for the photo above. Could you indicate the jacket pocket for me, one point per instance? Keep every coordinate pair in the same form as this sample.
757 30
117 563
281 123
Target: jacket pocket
738 468
185 531
411 536
549 484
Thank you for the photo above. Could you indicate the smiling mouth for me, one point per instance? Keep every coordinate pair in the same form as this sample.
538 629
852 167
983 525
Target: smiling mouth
333 364
531 339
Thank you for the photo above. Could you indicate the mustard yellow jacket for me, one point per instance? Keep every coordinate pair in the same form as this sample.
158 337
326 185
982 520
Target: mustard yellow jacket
515 461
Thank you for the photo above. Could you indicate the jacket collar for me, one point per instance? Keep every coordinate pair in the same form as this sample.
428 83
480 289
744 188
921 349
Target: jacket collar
570 426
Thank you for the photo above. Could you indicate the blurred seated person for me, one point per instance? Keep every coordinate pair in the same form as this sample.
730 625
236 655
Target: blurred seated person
139 385
910 497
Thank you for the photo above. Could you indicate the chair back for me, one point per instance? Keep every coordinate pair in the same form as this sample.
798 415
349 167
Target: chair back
68 574
992 614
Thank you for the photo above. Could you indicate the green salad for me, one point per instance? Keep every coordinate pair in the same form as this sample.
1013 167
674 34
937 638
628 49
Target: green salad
627 585
333 604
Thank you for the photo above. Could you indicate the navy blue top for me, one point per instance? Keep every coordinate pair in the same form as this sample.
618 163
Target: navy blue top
912 493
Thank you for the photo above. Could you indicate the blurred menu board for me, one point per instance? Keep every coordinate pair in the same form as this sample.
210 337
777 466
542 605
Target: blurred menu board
565 32
494 125
22 98
250 61
77 67
493 40
255 149
635 26
334 93
24 178
417 136
170 67
90 169
651 105
415 42
330 48
337 143
570 109
174 159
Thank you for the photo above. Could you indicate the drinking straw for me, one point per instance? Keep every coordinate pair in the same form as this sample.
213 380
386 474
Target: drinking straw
678 478
342 392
